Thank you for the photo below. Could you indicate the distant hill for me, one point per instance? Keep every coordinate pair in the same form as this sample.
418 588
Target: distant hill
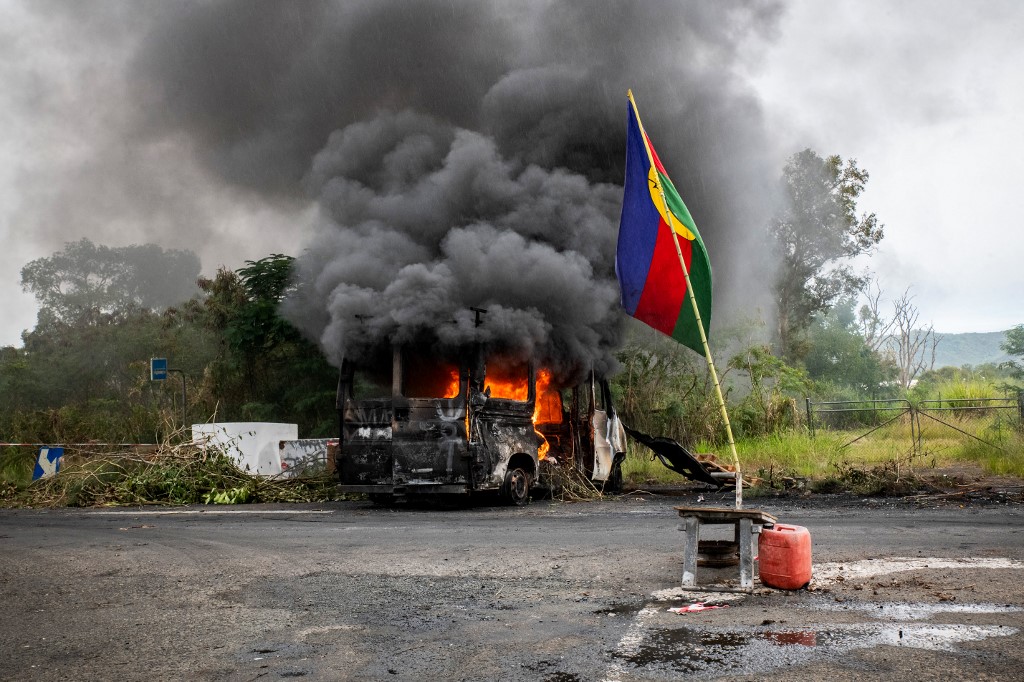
957 350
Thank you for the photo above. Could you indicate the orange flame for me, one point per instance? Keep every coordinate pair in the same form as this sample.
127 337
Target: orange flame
548 409
452 390
509 388
509 383
512 385
543 447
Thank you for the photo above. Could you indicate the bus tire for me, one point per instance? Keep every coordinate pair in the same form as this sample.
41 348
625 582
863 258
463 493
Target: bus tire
517 487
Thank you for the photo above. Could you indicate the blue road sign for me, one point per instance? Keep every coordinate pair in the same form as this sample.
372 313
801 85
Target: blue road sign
157 369
48 463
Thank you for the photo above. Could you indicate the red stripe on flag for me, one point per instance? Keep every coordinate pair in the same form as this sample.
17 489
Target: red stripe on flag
654 155
665 288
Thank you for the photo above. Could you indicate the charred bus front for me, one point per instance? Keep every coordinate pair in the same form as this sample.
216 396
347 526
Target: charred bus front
417 423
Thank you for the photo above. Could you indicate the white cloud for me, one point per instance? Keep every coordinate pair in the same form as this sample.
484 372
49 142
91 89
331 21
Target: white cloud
926 96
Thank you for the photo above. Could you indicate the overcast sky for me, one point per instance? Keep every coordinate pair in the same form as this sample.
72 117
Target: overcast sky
925 95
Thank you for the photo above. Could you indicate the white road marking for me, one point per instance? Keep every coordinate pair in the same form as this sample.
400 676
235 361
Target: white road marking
196 512
909 611
630 643
867 568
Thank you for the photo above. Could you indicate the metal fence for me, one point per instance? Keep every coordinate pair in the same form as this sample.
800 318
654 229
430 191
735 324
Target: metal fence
899 427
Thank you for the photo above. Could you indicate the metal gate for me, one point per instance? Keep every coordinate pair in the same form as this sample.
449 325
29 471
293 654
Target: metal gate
942 424
922 427
867 424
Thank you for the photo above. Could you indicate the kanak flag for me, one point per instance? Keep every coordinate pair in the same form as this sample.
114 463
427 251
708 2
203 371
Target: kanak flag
646 262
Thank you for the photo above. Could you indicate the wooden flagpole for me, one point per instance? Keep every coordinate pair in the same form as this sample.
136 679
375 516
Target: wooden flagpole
696 313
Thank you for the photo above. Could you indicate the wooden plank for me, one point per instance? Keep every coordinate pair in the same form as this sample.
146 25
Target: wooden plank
725 514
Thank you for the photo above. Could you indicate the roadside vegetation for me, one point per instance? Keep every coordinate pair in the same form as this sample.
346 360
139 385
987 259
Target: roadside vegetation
956 430
173 473
82 374
837 339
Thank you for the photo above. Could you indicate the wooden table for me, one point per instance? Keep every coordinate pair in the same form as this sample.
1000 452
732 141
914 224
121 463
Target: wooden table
745 522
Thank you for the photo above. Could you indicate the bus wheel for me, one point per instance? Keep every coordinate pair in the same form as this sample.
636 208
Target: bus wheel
517 486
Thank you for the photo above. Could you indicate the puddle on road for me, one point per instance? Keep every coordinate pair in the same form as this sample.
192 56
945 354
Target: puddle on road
716 651
710 651
701 650
554 676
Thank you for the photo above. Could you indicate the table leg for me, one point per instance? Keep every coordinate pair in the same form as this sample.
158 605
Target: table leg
746 554
691 531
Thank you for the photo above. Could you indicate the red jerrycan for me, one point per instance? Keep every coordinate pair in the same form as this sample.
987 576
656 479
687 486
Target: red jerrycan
784 555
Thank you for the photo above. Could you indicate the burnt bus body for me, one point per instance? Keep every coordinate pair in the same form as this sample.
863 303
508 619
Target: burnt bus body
403 439
463 425
589 437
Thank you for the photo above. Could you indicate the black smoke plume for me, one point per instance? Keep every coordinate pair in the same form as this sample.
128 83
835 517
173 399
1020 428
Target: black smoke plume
461 153
424 220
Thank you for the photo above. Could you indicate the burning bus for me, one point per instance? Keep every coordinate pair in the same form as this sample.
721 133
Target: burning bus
416 422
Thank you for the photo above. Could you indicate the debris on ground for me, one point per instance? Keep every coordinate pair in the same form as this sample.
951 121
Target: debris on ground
711 463
567 484
173 474
693 608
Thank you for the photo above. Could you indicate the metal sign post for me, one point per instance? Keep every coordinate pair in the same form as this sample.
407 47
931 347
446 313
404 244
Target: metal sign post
158 370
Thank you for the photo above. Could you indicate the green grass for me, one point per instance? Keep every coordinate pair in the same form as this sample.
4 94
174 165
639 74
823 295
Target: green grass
1005 459
640 469
794 453
16 466
960 389
832 455
787 454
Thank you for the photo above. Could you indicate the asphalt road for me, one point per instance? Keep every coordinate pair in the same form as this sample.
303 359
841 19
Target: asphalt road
556 592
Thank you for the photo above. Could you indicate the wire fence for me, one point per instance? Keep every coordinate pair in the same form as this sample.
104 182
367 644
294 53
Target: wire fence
879 429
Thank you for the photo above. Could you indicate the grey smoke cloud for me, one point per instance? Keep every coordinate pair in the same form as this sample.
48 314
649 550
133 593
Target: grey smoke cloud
459 153
424 221
260 87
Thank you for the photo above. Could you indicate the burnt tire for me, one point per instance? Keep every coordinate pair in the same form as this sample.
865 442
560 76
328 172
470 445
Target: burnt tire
516 489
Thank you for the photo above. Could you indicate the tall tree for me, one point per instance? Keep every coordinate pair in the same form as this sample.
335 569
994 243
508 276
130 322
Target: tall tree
92 280
816 233
1014 345
874 328
102 313
265 369
840 355
913 345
